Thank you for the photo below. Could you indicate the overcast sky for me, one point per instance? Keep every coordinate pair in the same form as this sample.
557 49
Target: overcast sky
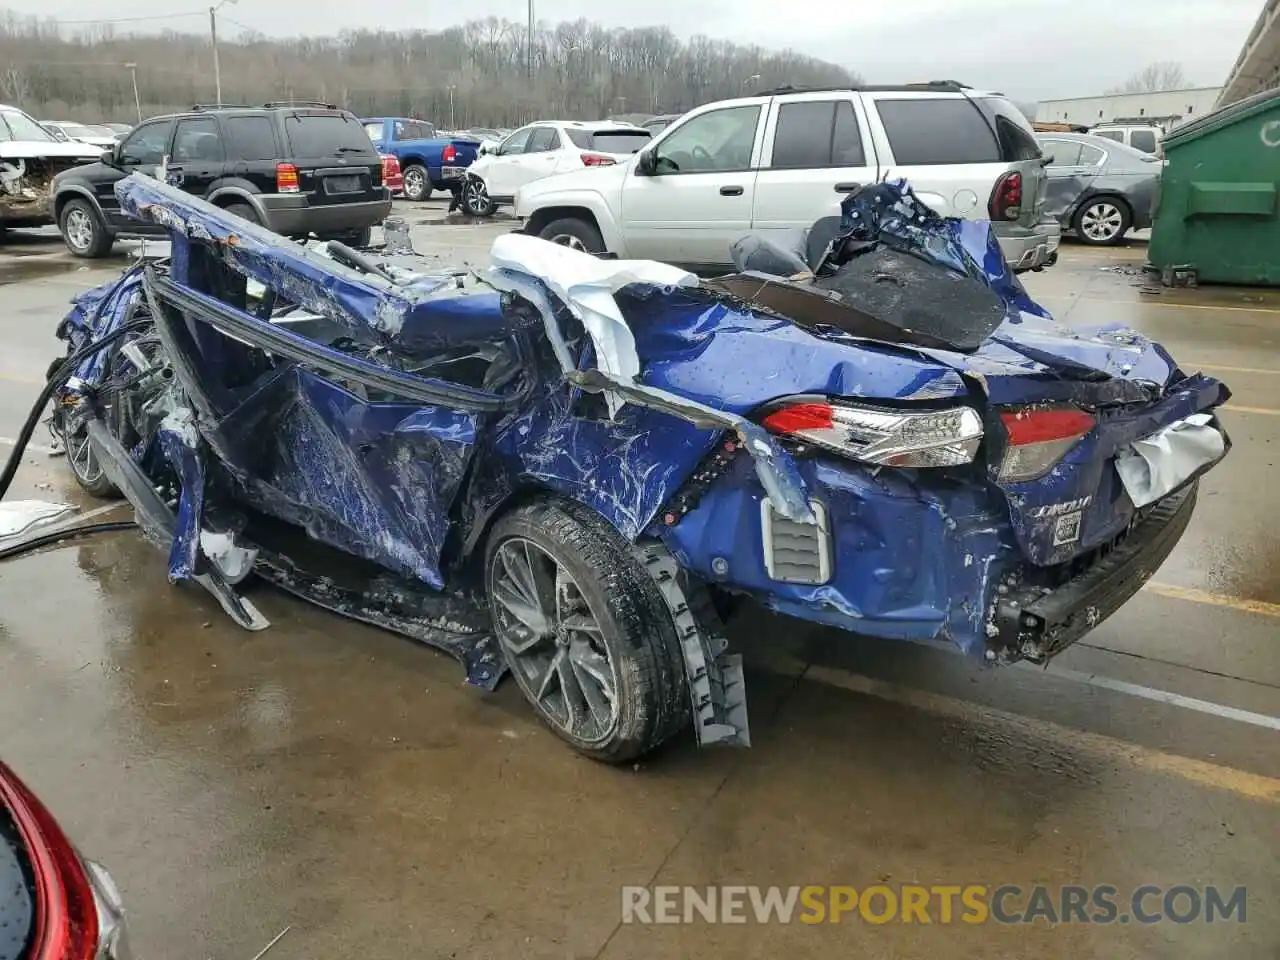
1029 49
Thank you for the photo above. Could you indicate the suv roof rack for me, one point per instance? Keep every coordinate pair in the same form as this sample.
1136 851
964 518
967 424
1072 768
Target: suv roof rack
222 106
301 103
949 86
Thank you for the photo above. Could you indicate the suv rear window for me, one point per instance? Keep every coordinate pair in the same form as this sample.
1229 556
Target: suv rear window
326 135
938 130
1144 140
610 141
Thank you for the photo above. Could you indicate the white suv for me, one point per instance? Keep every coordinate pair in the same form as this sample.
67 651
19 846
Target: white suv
540 150
783 160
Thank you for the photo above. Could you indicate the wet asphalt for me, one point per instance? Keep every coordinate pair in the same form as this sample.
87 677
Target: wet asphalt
342 783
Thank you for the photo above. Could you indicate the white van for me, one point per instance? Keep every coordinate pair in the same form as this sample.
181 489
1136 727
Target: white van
1141 136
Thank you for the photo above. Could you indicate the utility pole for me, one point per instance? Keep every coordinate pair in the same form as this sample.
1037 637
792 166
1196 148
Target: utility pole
137 102
213 39
453 123
528 45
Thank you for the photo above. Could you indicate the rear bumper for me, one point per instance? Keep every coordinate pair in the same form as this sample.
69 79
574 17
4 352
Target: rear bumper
1029 248
294 215
1038 625
896 559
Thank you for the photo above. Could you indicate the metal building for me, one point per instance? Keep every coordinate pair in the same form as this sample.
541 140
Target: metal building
1165 108
1258 66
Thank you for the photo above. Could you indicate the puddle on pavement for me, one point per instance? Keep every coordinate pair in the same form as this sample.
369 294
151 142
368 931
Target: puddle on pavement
31 268
461 219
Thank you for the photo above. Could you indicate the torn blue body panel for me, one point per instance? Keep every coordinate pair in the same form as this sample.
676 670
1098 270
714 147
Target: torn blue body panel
392 416
907 562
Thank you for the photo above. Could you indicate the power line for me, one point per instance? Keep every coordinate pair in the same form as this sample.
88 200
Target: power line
156 16
242 26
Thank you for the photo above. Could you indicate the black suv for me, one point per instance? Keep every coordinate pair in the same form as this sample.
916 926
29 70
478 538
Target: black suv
297 168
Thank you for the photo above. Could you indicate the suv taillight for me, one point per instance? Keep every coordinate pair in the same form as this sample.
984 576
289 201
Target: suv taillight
597 160
1039 438
286 178
66 915
449 154
1006 197
390 167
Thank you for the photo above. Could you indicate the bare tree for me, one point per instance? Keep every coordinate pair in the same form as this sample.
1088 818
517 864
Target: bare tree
1154 77
580 70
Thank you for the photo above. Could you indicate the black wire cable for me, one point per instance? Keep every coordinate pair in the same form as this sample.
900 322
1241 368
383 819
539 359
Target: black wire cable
56 380
57 536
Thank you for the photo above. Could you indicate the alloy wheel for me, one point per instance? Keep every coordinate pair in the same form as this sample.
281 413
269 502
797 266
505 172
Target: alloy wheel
81 457
80 229
1102 221
477 198
415 183
553 641
570 241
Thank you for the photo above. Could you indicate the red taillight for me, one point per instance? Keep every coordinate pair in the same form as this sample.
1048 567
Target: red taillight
881 435
1038 439
800 416
1006 198
390 168
286 178
598 160
66 918
449 154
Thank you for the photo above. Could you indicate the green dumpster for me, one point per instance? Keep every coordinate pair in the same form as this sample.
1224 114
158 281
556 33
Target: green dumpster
1217 220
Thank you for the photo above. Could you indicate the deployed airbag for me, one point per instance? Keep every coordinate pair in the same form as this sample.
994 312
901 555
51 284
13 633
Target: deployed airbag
1157 465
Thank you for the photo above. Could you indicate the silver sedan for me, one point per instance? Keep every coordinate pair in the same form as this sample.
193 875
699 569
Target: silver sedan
1097 188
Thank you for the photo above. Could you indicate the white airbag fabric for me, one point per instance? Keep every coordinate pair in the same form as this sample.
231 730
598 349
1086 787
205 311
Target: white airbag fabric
1156 465
586 284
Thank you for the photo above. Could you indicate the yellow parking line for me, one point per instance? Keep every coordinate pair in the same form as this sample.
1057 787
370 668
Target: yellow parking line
1213 599
11 378
1156 303
1222 366
1107 749
1195 306
1267 411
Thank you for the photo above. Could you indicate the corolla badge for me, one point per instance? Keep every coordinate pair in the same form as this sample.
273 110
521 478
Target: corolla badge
1058 509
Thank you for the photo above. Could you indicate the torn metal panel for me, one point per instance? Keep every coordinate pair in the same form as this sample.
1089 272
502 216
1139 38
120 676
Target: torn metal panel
158 523
26 189
368 306
180 444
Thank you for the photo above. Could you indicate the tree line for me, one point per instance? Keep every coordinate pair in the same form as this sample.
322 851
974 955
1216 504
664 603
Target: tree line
487 72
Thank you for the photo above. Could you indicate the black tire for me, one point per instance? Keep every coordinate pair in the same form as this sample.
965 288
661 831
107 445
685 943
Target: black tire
632 627
83 231
1102 221
88 472
417 183
244 211
82 459
574 232
475 198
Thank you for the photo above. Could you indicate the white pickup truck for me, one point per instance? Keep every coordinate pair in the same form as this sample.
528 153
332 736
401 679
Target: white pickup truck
784 159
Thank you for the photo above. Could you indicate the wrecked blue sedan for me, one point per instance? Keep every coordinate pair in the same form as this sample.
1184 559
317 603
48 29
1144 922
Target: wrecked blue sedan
562 466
